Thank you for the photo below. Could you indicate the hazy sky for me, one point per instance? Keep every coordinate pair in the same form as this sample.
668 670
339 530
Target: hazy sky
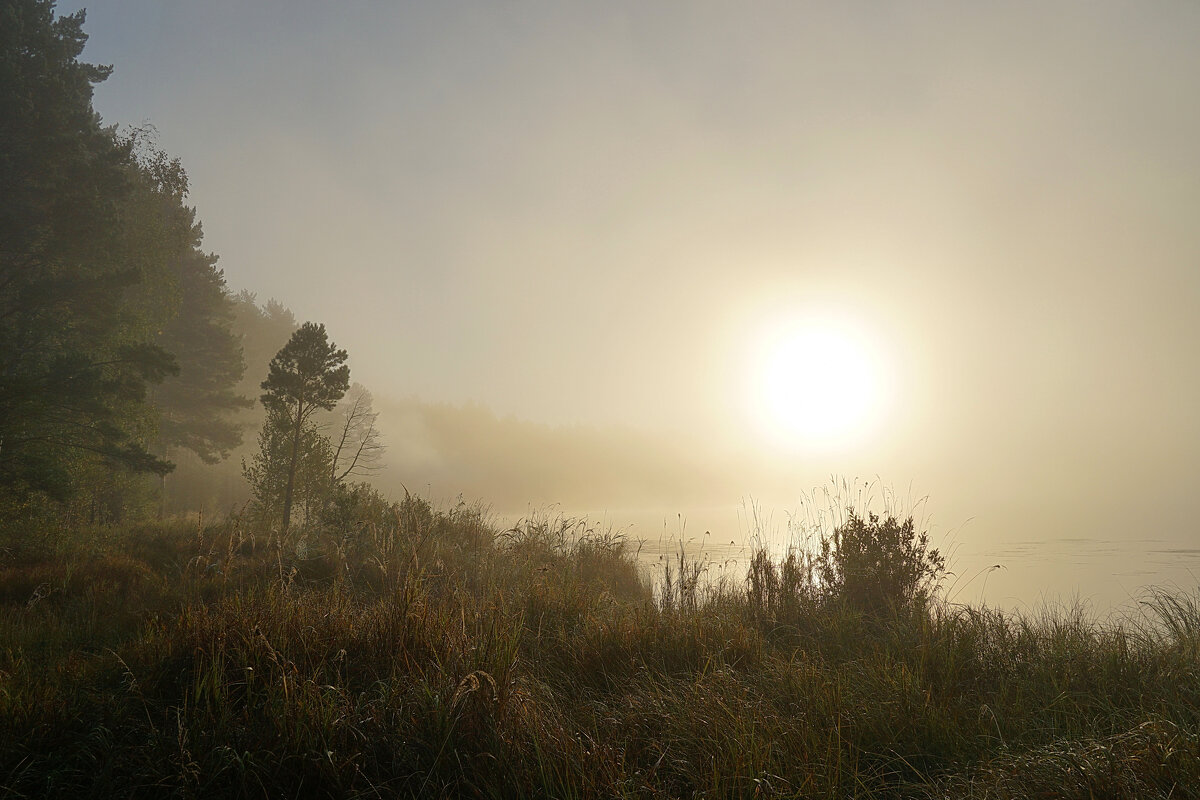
586 213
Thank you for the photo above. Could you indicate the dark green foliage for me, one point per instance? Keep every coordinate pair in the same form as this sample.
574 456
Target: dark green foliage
269 469
307 374
187 310
102 281
197 409
221 488
354 506
75 367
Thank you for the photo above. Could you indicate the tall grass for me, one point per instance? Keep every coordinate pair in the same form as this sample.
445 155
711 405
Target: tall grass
420 652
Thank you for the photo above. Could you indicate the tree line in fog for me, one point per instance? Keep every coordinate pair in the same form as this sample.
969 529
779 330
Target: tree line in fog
127 366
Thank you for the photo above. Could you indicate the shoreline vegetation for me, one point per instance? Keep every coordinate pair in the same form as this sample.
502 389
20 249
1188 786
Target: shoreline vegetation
399 650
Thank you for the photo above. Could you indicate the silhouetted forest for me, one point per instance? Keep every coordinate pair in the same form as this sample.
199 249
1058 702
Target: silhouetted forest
131 373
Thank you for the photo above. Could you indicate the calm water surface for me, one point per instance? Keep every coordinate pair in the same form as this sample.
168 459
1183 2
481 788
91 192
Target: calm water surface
1005 570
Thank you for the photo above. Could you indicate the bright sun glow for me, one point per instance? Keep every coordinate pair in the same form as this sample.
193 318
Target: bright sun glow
817 383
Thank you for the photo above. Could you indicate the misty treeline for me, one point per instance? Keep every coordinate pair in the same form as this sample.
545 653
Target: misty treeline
129 373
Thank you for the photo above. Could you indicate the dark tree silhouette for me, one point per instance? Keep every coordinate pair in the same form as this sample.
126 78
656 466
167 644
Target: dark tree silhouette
198 409
75 360
308 373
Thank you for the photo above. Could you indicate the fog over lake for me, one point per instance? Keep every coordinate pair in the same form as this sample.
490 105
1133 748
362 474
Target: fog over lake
1011 571
680 255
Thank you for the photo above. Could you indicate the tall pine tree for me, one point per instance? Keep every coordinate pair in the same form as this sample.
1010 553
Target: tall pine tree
74 358
104 289
307 374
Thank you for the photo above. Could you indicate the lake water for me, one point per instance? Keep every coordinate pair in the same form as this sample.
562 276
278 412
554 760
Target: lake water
1011 571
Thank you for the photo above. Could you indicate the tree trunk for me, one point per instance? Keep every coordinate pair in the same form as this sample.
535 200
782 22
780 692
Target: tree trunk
291 481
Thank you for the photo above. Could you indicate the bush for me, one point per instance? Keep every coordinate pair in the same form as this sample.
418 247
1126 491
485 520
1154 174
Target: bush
878 566
352 507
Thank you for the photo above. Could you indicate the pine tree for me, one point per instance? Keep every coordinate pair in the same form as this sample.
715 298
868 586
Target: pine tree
307 374
76 357
270 467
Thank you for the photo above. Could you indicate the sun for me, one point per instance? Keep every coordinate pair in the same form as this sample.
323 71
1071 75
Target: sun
817 383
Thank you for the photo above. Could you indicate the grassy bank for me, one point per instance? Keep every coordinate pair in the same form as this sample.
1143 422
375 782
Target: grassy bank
423 653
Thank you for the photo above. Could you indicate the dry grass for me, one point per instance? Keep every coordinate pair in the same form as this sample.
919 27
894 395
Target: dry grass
422 653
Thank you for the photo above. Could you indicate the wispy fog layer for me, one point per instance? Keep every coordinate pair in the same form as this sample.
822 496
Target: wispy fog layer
579 215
